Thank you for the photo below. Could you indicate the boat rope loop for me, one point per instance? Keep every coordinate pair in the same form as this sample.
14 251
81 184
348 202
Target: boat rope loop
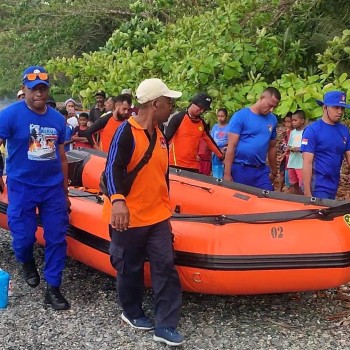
208 189
93 195
326 214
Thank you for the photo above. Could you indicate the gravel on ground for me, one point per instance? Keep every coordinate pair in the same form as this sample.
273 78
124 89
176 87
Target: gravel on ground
295 321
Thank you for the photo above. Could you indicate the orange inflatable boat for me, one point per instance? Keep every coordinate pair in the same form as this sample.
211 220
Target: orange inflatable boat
229 238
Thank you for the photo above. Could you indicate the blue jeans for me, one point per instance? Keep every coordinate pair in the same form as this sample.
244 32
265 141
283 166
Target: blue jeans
22 219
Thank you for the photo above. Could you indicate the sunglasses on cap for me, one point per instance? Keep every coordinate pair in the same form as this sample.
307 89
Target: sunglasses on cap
34 76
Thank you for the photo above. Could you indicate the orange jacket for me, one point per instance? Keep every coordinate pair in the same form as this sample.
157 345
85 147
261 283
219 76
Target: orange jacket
184 135
148 200
107 133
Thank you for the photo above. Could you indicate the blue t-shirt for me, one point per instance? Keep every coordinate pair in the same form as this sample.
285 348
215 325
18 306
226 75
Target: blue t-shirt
255 133
220 135
32 143
69 134
295 160
328 143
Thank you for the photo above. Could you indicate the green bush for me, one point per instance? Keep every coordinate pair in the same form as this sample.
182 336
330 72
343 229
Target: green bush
218 51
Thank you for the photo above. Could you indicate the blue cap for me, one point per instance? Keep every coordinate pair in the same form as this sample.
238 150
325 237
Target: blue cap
36 70
334 99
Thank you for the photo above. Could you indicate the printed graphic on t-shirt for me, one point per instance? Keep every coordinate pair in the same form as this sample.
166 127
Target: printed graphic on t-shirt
42 143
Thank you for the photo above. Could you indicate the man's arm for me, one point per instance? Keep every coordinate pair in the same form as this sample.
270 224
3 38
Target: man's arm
76 138
347 157
210 142
116 167
173 125
230 155
272 159
64 165
308 159
98 125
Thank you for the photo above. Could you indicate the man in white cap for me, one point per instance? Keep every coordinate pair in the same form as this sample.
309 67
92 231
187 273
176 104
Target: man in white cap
324 144
20 95
138 191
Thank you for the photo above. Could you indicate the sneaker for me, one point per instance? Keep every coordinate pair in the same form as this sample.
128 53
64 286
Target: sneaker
168 335
139 323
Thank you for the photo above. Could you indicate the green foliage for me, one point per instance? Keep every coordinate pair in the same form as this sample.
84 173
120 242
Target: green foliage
135 34
314 23
231 49
32 31
336 56
207 52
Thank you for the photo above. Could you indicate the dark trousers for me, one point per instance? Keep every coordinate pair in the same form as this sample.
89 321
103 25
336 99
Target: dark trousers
128 251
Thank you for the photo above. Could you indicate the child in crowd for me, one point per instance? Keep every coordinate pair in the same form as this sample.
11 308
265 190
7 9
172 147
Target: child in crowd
81 142
295 161
220 136
69 131
283 148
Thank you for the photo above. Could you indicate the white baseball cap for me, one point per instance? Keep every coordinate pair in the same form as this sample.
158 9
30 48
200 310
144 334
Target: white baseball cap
126 92
150 89
20 92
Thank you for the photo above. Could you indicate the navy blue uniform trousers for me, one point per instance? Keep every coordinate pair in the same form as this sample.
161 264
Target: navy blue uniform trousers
22 220
128 251
252 176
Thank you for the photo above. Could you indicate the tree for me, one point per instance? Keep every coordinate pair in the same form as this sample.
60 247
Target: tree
33 31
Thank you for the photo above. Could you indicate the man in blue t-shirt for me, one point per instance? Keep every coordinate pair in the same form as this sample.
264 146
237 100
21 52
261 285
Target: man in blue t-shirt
252 139
37 180
324 144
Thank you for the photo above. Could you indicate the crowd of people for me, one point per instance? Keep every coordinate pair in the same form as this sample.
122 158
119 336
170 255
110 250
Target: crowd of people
143 141
244 148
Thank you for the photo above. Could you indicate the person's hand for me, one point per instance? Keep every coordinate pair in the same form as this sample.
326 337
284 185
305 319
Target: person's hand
120 216
2 184
307 193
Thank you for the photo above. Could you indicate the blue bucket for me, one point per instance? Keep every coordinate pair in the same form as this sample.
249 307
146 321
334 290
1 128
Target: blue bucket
4 288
